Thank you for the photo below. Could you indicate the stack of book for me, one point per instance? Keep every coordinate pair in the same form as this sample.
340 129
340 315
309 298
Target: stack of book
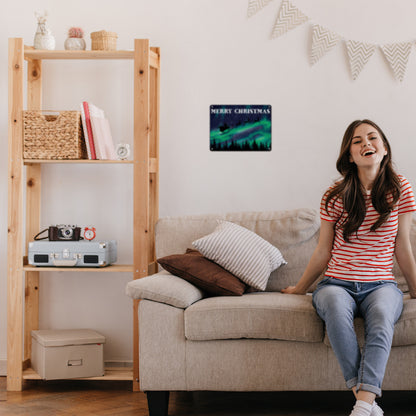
97 132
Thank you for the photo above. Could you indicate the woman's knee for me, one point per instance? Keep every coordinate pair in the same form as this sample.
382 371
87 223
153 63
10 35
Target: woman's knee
334 301
384 306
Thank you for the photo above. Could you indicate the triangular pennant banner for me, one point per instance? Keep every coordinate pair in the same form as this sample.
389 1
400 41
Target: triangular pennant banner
397 55
323 40
289 17
359 54
255 5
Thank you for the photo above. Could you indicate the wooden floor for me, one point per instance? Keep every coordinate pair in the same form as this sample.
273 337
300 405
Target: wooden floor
109 398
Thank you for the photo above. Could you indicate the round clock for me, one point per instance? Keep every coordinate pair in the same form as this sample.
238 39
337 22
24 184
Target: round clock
123 151
89 233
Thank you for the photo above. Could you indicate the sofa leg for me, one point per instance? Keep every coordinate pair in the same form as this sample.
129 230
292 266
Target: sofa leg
158 403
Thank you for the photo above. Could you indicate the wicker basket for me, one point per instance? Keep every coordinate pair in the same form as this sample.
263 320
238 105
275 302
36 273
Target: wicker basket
47 136
103 41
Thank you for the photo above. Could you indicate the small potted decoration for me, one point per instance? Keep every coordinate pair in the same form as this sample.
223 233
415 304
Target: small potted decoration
75 40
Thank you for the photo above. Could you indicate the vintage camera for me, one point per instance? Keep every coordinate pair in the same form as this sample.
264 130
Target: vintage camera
64 232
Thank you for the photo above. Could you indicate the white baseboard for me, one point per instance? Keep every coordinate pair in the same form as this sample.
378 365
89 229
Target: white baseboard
3 367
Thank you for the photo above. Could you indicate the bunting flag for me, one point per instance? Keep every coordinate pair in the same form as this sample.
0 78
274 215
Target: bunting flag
255 5
289 17
397 55
323 40
359 53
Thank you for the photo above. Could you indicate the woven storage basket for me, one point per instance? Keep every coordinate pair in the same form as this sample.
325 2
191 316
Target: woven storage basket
103 41
53 136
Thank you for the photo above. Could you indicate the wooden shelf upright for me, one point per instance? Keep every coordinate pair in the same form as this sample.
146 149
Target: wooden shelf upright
23 280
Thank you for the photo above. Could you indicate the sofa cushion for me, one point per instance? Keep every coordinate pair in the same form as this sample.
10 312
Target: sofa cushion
404 331
295 232
242 252
255 315
203 273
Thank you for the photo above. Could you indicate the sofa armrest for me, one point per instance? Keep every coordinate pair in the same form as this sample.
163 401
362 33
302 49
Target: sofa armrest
166 288
162 347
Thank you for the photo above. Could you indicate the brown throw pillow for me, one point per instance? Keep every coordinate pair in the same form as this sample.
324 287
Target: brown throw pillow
203 273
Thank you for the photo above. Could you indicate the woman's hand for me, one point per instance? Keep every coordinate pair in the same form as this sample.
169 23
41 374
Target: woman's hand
293 290
318 261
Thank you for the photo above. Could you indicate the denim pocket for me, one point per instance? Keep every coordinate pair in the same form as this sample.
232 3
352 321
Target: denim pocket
325 280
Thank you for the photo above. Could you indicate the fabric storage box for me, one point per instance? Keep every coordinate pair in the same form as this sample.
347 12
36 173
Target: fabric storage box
60 354
53 136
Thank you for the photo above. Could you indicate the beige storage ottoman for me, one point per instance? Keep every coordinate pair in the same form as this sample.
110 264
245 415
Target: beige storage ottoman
59 354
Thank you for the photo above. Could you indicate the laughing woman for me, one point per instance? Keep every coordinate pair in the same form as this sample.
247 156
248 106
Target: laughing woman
365 220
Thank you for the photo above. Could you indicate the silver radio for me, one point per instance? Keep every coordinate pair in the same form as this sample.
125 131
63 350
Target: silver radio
72 253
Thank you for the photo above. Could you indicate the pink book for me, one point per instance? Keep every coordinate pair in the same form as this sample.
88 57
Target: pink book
84 129
89 130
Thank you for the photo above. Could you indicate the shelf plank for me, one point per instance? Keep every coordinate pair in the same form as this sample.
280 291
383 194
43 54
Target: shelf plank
111 373
31 53
153 162
84 161
114 268
36 54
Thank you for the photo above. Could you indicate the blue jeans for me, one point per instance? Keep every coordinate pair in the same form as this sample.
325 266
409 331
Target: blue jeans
380 303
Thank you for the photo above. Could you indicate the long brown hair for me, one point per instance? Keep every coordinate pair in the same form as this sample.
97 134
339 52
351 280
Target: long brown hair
384 194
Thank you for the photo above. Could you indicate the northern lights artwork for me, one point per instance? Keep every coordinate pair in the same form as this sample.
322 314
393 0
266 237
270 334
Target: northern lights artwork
240 127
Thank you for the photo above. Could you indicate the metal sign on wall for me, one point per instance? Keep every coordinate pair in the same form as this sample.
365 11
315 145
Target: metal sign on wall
240 127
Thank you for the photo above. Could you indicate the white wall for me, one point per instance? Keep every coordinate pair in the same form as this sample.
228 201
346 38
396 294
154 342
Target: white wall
211 54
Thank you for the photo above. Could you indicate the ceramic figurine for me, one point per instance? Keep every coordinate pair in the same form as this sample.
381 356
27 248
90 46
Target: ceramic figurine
43 37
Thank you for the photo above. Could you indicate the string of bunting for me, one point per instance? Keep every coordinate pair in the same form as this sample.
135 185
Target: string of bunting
323 40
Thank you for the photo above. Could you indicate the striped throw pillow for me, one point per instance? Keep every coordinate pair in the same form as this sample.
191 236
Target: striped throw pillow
242 252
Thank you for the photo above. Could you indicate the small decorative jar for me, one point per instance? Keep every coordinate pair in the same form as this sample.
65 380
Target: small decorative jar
75 40
43 37
103 41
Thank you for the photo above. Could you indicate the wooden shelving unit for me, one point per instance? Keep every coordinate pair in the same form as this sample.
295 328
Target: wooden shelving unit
23 280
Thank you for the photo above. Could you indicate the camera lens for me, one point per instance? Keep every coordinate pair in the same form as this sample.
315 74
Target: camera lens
67 232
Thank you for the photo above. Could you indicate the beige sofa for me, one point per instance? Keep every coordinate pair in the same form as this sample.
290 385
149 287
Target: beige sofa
265 341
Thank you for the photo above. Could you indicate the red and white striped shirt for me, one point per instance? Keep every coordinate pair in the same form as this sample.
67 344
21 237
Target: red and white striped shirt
369 254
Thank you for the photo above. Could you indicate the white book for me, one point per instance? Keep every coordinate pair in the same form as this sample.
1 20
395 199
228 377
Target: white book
95 113
109 149
104 146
